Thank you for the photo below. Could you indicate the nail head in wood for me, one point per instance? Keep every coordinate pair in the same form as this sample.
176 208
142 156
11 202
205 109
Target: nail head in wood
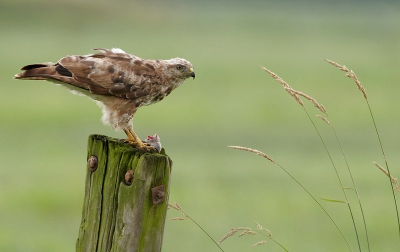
129 177
157 194
92 163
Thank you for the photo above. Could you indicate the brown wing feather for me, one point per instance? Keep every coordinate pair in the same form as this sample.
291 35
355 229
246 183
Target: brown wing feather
106 73
125 75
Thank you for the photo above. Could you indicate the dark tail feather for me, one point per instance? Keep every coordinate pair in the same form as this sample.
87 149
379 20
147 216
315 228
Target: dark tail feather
29 67
41 71
55 73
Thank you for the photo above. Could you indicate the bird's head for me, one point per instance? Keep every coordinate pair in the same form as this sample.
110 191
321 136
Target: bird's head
180 68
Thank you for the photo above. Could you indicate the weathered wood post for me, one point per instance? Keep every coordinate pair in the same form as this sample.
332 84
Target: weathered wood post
126 198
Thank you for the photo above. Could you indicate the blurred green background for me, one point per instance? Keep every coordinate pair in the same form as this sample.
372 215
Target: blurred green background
44 128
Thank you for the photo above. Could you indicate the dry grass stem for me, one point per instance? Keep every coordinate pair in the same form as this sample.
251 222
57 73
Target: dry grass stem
177 207
350 74
286 86
323 118
323 108
294 93
241 228
316 104
174 206
394 180
259 227
259 243
249 232
254 151
232 232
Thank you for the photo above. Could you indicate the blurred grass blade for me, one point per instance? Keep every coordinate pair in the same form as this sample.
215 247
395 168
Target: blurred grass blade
333 200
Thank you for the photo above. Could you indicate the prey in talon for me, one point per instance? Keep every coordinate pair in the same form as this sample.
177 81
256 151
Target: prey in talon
154 141
119 82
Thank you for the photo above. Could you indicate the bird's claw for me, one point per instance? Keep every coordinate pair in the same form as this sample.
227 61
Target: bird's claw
148 147
144 146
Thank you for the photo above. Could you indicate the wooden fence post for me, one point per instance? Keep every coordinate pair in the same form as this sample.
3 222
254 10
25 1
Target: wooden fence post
126 198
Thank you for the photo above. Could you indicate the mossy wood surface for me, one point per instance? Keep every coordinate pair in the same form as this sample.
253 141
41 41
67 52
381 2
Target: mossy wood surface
117 216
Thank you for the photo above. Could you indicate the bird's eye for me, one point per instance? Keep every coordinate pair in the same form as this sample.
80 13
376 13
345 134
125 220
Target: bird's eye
179 67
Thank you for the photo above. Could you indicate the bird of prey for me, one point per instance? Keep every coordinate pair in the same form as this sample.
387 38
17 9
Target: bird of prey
119 82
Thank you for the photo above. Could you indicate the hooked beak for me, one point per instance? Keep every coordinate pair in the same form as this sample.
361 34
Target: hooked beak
192 74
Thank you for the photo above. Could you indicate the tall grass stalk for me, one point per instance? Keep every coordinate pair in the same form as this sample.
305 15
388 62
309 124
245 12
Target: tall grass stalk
296 95
352 179
248 231
353 76
298 182
338 177
178 208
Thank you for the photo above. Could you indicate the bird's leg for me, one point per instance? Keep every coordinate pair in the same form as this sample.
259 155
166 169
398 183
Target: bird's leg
133 139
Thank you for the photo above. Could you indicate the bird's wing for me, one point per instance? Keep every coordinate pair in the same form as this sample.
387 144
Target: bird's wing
111 72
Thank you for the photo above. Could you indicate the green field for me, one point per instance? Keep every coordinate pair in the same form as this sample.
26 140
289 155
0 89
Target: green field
44 128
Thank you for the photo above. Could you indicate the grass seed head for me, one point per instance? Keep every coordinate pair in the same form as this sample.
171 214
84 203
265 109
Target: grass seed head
323 118
259 243
247 232
394 180
350 74
252 150
232 232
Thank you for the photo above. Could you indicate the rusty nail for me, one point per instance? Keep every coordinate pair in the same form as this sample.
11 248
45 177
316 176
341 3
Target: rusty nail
157 194
92 163
129 177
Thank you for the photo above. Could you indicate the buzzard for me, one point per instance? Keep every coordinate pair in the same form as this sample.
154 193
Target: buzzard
119 82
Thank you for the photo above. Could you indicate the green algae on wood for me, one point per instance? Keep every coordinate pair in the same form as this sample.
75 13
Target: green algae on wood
119 215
